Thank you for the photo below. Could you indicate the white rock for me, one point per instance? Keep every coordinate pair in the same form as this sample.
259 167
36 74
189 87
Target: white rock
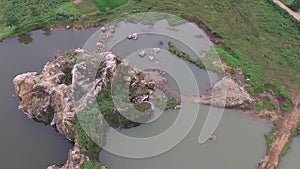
142 53
103 29
156 50
151 57
133 36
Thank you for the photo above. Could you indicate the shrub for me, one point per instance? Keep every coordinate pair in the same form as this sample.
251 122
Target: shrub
90 165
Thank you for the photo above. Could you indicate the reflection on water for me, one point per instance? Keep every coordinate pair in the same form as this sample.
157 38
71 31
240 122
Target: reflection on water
25 143
240 140
25 39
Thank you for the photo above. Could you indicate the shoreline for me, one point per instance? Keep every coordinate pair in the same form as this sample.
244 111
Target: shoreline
212 35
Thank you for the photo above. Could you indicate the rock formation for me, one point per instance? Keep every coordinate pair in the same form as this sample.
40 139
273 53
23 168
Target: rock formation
228 93
65 87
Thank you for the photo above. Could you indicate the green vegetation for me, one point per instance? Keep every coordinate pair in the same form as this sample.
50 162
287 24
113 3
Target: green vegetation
256 37
154 17
171 103
250 68
138 91
265 104
283 96
270 138
90 165
286 147
206 63
142 107
287 2
175 51
108 5
282 91
166 103
287 106
294 133
86 6
114 118
20 16
86 122
293 4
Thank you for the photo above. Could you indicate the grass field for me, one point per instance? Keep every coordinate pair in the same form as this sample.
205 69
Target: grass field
107 5
293 4
287 2
257 35
86 6
260 36
20 16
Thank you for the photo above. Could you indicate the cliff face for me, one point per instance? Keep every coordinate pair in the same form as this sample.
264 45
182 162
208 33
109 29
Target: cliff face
63 88
71 83
47 97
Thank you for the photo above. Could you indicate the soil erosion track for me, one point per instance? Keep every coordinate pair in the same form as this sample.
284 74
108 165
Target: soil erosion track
283 135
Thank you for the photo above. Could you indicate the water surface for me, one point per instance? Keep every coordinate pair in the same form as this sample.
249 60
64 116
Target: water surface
291 159
240 140
25 143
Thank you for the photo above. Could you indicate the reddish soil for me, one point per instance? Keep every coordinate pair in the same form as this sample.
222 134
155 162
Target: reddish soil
283 134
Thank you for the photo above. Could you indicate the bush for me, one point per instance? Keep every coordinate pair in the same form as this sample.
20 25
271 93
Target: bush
287 106
283 92
18 11
270 138
295 5
108 5
90 165
86 144
249 67
265 104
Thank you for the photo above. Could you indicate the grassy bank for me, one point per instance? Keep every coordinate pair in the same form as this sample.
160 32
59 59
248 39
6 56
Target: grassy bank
105 6
20 16
256 33
293 4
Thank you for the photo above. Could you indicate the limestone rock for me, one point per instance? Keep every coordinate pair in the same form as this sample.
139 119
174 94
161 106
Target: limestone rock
133 36
48 97
142 53
228 93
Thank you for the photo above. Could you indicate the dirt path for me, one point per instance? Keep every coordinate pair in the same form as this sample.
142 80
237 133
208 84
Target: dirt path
161 82
296 15
283 134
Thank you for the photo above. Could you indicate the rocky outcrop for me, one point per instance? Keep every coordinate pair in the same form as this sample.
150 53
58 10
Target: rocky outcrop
228 93
47 97
75 159
65 87
89 77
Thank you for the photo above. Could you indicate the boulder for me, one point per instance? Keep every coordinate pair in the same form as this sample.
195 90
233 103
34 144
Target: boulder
142 53
228 93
